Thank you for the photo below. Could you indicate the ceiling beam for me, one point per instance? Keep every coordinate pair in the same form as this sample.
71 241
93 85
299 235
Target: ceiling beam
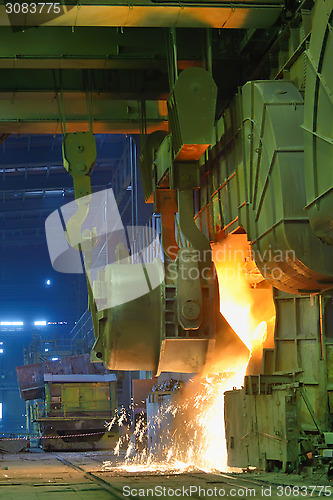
8 240
15 155
15 183
25 224
96 48
149 13
42 112
33 205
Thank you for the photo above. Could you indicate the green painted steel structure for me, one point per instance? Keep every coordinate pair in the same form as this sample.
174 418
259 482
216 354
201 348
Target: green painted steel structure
266 172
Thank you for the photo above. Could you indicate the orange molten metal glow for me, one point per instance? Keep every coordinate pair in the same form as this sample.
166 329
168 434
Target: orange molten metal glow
238 301
198 441
197 438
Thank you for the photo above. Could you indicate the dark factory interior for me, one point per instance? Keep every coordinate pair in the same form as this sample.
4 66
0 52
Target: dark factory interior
166 249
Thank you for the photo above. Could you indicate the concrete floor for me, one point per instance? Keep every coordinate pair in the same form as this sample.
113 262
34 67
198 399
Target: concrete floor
32 476
37 475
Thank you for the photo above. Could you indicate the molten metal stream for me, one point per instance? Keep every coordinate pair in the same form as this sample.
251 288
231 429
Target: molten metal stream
196 439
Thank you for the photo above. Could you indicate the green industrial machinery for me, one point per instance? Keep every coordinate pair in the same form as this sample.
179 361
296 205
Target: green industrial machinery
70 403
236 145
276 162
176 323
263 169
76 412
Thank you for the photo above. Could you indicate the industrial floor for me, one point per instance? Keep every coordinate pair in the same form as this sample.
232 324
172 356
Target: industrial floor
37 475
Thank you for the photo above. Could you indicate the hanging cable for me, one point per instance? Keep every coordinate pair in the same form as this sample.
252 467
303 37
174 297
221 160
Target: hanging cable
60 102
174 52
209 61
143 123
168 58
171 56
63 121
89 100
